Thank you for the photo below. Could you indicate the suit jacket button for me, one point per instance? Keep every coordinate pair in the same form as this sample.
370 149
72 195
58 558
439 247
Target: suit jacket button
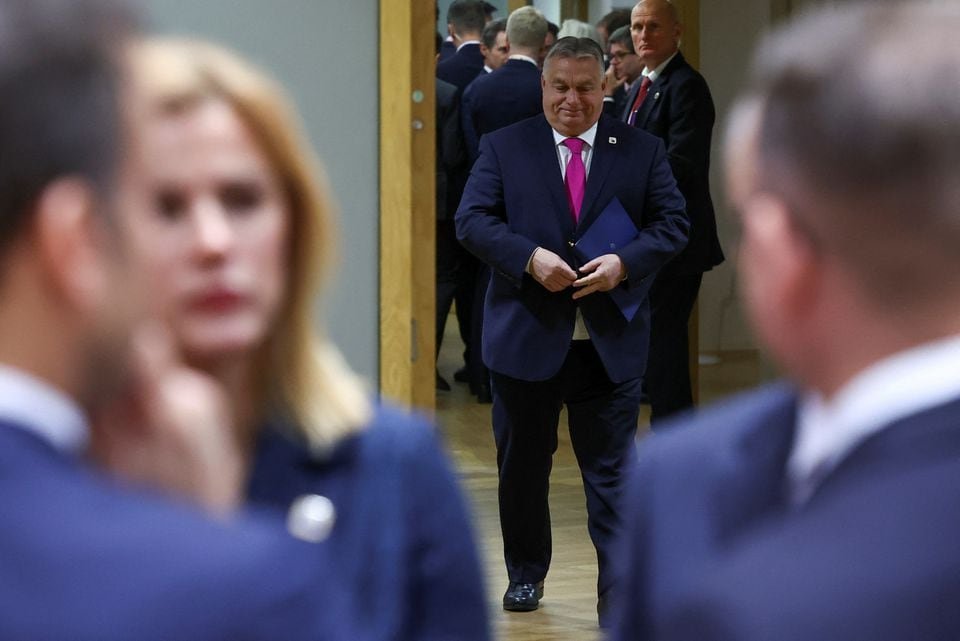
311 518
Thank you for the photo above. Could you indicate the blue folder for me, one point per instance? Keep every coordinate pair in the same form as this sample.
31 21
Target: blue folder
610 231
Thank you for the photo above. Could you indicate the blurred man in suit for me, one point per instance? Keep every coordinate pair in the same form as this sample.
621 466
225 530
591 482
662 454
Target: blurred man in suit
625 67
673 102
509 95
466 20
90 556
826 508
493 45
552 333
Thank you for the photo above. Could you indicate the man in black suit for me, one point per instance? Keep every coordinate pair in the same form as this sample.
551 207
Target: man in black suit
624 70
674 103
465 20
826 508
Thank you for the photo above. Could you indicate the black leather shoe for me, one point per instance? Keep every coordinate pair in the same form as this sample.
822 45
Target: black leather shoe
523 597
462 375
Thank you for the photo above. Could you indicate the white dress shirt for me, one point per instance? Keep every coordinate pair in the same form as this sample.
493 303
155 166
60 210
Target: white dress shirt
563 156
653 74
893 388
38 407
520 56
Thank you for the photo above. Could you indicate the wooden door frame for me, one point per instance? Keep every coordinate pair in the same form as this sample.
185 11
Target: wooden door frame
407 202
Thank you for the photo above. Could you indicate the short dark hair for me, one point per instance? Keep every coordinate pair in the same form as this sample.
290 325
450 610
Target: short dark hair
489 36
858 131
59 98
573 47
553 28
467 16
622 37
614 20
489 9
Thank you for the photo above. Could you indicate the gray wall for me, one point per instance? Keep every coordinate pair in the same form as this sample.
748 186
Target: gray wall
326 55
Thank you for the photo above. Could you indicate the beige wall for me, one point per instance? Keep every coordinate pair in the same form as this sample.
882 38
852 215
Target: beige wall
728 33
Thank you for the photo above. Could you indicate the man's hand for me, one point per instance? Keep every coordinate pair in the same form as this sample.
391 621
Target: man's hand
613 83
603 273
171 429
551 271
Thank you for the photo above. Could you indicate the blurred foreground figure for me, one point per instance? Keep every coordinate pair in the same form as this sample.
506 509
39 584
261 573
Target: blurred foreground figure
826 508
86 555
233 230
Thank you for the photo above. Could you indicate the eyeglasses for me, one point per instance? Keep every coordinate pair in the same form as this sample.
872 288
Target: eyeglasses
621 55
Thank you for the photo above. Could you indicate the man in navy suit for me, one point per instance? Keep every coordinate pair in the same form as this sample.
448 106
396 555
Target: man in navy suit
826 508
622 74
552 334
672 101
466 20
88 555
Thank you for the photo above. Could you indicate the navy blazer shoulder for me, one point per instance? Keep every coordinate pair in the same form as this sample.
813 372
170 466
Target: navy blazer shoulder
462 67
713 551
515 201
402 536
89 559
508 95
679 109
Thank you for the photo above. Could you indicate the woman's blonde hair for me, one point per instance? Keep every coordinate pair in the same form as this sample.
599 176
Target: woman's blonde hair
300 372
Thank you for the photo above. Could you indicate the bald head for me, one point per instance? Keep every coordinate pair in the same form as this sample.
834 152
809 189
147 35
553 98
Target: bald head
656 29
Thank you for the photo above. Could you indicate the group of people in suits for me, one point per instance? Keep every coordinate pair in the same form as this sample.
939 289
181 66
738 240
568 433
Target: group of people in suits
184 456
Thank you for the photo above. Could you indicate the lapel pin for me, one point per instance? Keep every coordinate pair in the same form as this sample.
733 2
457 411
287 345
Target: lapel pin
311 518
656 96
612 140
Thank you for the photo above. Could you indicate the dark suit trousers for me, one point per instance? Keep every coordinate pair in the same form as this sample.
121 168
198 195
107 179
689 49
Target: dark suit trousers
454 266
667 380
602 417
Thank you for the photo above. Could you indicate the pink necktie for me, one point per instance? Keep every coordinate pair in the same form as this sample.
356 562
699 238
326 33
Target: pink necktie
576 178
641 94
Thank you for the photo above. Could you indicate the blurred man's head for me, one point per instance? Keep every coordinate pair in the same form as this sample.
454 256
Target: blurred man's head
63 282
611 22
624 60
842 159
549 41
526 31
466 19
656 29
573 83
493 44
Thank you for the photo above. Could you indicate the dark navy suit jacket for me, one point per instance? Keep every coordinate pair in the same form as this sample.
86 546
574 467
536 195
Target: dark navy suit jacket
714 552
402 540
515 201
510 94
462 67
679 110
86 559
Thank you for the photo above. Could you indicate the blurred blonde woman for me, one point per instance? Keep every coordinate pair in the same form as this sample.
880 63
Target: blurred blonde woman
234 231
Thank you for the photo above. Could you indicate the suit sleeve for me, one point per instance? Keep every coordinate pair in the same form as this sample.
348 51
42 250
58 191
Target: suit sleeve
691 126
468 123
448 602
665 228
481 219
630 609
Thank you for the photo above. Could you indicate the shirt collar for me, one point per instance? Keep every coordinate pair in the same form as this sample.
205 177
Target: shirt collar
467 42
38 407
520 56
588 136
894 388
654 74
487 69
